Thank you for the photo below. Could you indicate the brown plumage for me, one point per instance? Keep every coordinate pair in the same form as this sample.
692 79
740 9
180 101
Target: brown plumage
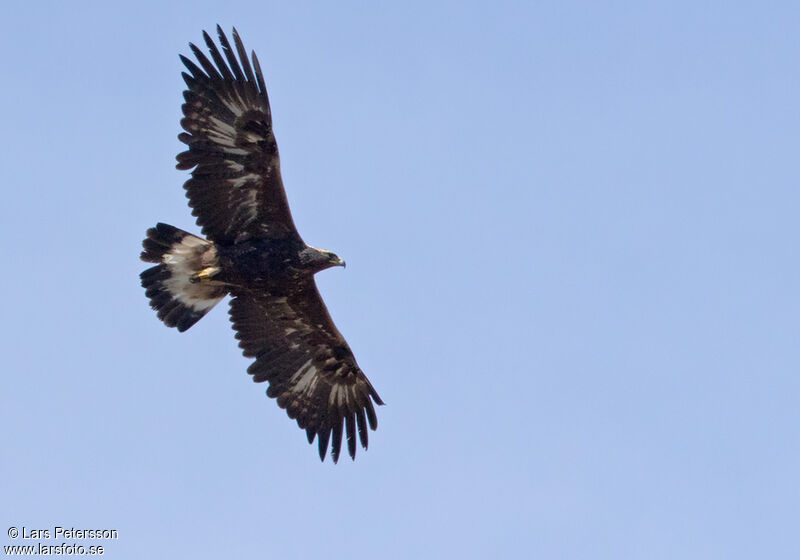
254 253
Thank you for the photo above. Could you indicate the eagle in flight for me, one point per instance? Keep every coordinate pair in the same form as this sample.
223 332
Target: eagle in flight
252 251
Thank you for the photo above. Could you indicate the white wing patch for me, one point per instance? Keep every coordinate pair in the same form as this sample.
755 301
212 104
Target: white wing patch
338 395
244 179
304 379
223 127
235 106
235 151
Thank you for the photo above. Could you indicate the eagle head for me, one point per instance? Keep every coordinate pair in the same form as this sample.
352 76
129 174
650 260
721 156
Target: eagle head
319 259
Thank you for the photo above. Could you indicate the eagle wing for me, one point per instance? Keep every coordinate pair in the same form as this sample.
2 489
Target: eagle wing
235 191
309 366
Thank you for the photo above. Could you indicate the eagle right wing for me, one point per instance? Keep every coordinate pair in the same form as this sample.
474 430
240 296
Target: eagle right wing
309 366
235 191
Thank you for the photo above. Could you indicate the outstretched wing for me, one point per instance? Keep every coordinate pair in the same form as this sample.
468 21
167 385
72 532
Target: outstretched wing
309 366
235 191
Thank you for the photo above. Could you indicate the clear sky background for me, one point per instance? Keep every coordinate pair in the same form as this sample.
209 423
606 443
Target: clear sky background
571 231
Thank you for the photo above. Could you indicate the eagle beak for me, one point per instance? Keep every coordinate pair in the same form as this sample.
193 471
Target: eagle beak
337 261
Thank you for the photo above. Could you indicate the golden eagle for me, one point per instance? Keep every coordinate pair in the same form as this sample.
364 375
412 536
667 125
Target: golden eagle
253 252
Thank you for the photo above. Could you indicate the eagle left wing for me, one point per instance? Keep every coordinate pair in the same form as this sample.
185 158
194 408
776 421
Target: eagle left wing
309 366
235 191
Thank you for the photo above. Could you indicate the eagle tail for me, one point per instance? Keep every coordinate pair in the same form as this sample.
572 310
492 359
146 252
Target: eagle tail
180 286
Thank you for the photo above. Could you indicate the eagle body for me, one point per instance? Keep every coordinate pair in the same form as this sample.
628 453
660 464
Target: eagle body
270 264
251 251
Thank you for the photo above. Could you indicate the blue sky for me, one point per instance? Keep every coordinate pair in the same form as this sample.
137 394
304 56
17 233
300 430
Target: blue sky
571 233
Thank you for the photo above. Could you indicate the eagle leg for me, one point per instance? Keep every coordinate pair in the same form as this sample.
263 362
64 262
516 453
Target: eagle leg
205 274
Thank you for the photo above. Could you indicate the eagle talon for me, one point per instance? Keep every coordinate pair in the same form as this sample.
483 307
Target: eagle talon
205 274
